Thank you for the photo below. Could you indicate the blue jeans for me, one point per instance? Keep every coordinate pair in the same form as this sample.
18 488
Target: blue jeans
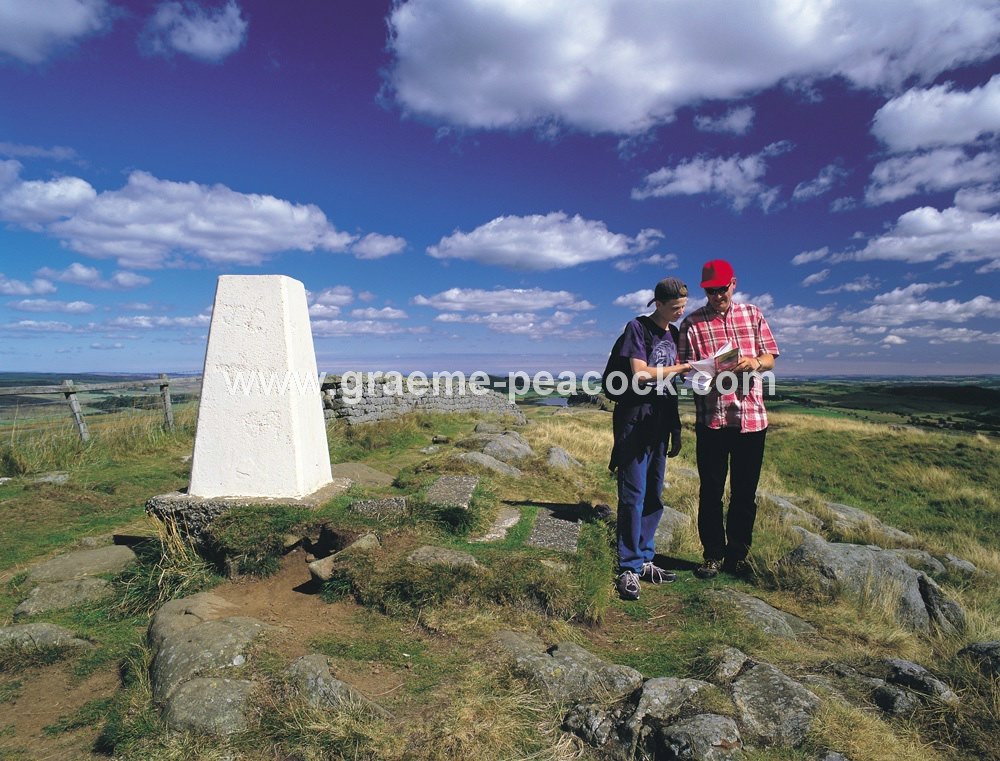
641 468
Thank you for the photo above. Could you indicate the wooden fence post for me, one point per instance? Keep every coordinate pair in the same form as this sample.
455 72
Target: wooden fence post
168 410
74 406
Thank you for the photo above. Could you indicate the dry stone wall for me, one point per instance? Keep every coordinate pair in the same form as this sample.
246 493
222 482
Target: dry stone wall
375 397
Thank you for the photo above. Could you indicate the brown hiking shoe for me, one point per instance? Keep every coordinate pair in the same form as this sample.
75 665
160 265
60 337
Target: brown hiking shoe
709 569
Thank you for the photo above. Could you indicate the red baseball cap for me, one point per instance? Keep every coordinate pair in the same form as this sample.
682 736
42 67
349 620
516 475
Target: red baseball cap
716 274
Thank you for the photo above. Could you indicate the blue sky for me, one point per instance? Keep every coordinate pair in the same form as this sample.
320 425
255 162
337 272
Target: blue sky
497 185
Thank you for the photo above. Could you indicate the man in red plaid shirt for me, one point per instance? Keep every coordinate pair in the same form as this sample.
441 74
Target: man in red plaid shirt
731 419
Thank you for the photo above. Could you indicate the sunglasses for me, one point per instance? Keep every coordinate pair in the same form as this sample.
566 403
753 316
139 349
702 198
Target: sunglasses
717 291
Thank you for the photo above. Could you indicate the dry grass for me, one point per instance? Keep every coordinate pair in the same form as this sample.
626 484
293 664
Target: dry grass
861 734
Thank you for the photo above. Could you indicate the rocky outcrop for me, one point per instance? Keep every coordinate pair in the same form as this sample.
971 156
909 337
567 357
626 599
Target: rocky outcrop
69 580
758 613
313 678
773 709
60 595
39 637
986 655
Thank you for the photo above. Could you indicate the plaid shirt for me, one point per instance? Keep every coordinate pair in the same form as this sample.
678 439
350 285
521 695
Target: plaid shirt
703 333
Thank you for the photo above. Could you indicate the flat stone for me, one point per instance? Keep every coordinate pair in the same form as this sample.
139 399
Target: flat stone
210 706
32 636
758 613
60 595
567 672
490 463
555 530
362 474
506 519
703 737
313 677
773 709
429 556
451 491
380 509
77 565
322 569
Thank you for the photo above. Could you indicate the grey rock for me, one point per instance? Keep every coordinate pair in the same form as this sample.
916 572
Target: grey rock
773 709
758 613
683 471
559 459
489 462
210 706
312 676
61 595
36 636
507 518
659 703
188 654
429 556
595 724
451 491
959 566
986 655
76 565
380 509
856 568
895 701
731 664
915 677
921 560
178 615
791 514
567 672
670 522
554 530
433 448
484 427
847 519
509 448
832 756
56 477
322 569
703 737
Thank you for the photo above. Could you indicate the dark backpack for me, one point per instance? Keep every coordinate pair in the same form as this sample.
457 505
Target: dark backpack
618 363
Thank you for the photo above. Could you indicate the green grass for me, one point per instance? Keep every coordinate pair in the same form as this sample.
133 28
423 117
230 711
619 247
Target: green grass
90 714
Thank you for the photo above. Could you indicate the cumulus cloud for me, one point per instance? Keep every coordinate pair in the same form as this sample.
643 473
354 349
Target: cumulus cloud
148 220
149 322
941 169
863 283
526 324
620 66
90 277
375 246
945 335
339 328
537 242
938 116
927 234
666 261
201 33
636 301
811 256
906 305
795 315
32 31
37 287
816 277
38 326
827 179
386 313
45 305
738 179
893 340
817 335
502 300
736 121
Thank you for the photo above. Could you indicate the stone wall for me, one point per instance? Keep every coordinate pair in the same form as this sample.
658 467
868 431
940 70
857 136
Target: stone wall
378 398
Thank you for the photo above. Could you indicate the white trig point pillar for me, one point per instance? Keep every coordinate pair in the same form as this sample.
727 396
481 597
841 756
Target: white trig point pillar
261 430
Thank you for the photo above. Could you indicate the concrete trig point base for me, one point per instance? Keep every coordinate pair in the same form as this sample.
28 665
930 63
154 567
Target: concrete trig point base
261 430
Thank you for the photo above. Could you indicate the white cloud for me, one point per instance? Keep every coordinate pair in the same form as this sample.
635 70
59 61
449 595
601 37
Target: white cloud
842 204
636 301
18 150
81 274
828 178
978 198
893 340
621 66
795 315
149 219
336 328
811 256
736 121
36 287
375 246
38 326
863 283
501 300
940 115
386 313
198 32
937 170
148 322
944 335
526 324
666 261
537 242
324 311
738 179
45 305
816 277
905 305
338 295
926 235
817 335
31 31
107 347
764 302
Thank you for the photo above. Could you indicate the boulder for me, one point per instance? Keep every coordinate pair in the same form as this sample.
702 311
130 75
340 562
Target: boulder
210 706
849 519
986 655
670 522
178 615
791 514
61 595
915 677
489 462
703 737
312 676
660 702
773 709
77 565
758 613
508 447
38 636
959 566
559 459
731 664
921 560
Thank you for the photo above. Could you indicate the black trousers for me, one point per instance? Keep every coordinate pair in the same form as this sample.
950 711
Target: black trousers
719 452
